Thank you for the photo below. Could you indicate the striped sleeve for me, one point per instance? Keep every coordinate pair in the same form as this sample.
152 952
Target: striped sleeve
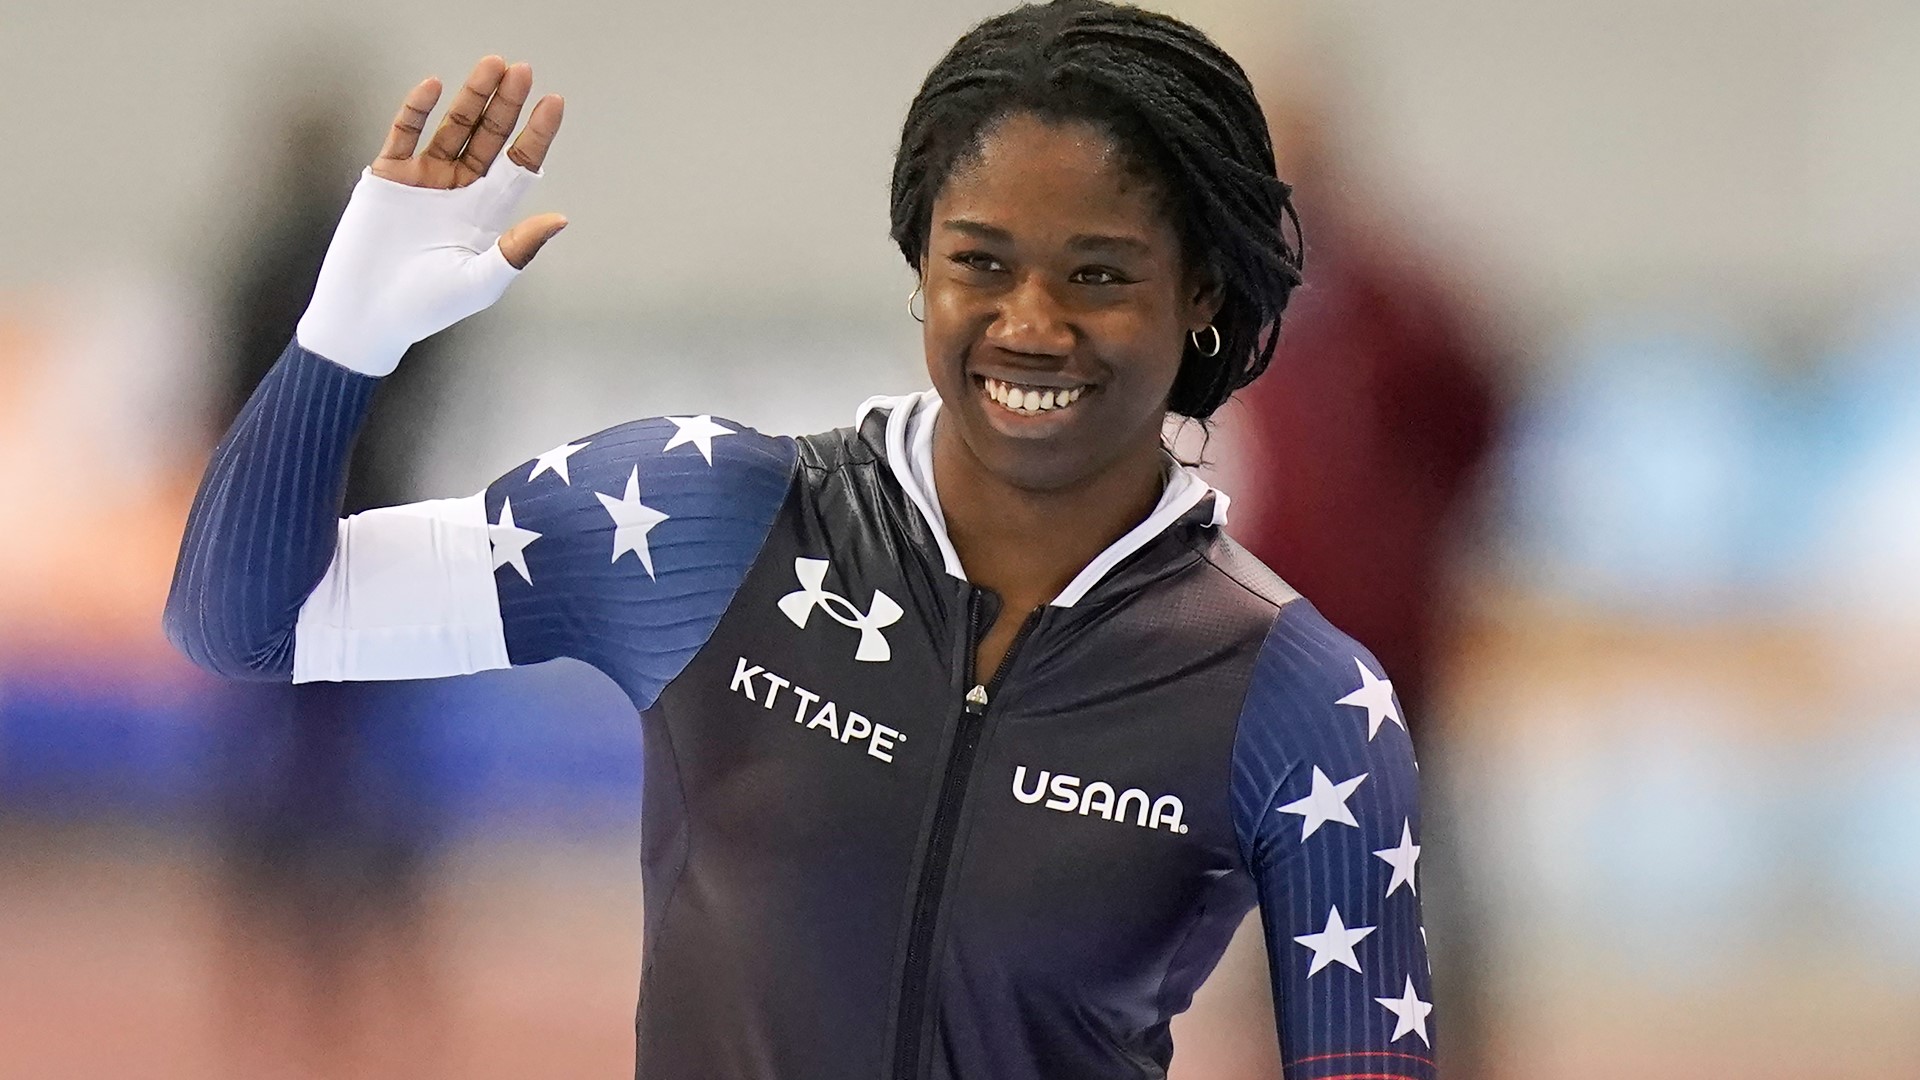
1325 797
622 548
263 524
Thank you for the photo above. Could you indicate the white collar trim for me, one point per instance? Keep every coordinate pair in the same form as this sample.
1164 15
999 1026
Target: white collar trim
909 443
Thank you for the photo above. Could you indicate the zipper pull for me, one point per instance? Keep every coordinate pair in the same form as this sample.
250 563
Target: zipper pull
977 700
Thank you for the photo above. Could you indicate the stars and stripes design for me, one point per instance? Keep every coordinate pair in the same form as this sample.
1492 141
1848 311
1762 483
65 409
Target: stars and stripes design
510 542
1376 696
623 547
1323 782
1326 803
1336 856
633 520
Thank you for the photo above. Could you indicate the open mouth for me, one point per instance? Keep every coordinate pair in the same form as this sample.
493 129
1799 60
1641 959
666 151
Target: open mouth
1031 400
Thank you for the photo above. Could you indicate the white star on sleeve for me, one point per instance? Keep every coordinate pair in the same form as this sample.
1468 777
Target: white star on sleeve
1326 802
1376 696
698 430
510 541
1336 942
1402 859
555 461
632 520
1412 1013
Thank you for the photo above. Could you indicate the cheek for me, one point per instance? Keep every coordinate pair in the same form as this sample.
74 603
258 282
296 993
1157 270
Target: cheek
1149 341
943 345
954 319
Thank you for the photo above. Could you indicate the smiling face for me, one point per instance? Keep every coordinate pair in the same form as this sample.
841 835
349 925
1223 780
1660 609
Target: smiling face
1058 305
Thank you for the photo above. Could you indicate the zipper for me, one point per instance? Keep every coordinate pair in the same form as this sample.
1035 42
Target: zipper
946 818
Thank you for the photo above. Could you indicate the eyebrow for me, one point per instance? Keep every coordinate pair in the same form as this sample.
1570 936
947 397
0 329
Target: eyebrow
1077 242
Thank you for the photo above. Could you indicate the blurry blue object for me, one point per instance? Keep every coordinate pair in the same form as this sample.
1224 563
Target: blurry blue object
1661 471
550 748
1869 855
1874 380
83 745
1649 823
553 748
1868 562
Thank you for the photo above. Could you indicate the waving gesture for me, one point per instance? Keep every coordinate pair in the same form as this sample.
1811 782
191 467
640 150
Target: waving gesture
427 239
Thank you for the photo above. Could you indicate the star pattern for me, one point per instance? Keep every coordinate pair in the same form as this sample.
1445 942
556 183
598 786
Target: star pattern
1326 802
698 430
555 461
510 542
1334 944
632 521
1403 860
1412 1013
1376 696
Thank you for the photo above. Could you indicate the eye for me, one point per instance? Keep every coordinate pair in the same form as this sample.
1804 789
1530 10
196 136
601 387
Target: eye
1100 275
978 261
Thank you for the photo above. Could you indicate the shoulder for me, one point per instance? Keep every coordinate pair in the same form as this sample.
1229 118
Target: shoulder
694 445
693 457
1307 668
862 443
1302 656
1266 593
1320 720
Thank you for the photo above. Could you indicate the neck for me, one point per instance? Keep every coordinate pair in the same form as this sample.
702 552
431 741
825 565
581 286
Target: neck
1028 545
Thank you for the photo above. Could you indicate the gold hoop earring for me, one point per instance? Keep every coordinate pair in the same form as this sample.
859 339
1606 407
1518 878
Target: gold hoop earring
1195 335
916 317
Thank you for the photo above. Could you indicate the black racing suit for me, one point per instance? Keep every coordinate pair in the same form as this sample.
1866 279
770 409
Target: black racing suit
857 862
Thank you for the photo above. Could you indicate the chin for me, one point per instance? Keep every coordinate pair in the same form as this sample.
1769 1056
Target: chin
1052 451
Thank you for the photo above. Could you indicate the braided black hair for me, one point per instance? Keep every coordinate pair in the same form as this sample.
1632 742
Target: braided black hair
1181 111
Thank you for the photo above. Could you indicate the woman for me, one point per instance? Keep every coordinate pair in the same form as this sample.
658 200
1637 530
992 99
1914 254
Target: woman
969 737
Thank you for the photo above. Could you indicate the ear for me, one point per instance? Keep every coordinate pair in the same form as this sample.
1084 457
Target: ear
1204 291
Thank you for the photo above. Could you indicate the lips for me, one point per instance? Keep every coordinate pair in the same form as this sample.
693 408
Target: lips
1027 400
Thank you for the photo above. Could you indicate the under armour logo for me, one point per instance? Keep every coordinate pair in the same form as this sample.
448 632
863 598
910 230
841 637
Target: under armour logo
883 612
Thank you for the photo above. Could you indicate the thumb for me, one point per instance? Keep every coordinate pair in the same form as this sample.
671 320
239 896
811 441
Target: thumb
522 242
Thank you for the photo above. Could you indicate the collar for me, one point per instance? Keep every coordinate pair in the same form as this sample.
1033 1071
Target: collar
909 444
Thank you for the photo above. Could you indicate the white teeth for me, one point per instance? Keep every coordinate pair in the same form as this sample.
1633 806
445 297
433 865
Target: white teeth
1031 401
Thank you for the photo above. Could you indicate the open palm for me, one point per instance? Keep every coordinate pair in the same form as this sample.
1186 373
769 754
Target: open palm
478 121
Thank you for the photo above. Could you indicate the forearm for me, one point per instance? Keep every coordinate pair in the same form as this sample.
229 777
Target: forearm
265 522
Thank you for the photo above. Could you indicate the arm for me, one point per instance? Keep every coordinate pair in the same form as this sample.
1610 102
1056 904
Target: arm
264 522
621 548
271 585
1326 803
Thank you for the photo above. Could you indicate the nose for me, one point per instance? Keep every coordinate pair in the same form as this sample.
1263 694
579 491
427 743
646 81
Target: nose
1030 319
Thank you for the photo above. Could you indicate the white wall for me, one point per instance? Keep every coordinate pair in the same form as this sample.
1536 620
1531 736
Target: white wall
735 154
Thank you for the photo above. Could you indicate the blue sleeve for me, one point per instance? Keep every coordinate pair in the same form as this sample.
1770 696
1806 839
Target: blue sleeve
1325 797
622 548
263 524
645 531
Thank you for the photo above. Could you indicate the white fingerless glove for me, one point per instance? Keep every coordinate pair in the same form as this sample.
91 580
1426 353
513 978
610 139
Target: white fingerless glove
408 262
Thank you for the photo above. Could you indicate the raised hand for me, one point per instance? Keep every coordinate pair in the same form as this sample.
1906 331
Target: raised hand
428 239
476 126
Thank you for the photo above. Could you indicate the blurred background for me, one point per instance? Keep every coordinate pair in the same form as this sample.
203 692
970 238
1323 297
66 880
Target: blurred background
1599 422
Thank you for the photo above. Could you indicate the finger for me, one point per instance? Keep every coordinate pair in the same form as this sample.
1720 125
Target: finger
529 151
463 113
498 119
411 120
522 242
